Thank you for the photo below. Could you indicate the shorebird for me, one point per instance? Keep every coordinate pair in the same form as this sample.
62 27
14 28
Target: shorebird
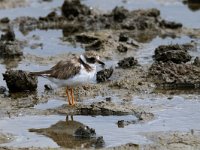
73 72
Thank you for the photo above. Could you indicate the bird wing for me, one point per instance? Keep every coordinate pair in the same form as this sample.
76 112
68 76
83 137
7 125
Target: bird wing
65 69
62 70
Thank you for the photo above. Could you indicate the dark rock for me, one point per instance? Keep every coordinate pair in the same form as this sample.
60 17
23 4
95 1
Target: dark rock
141 20
83 38
172 75
5 20
10 49
175 53
122 48
193 5
152 12
50 17
119 14
123 37
48 87
96 45
85 132
99 142
123 123
144 116
2 89
52 14
74 8
128 62
72 29
104 109
108 99
20 81
104 75
36 45
197 62
8 36
170 24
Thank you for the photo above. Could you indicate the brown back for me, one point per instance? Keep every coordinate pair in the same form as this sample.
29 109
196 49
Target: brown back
65 69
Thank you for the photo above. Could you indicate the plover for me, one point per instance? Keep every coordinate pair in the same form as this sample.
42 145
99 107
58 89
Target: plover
73 72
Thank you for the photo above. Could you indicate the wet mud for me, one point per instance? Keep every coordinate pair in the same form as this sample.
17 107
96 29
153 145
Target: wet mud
148 76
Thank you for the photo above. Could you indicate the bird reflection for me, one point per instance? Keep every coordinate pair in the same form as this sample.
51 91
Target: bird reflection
63 134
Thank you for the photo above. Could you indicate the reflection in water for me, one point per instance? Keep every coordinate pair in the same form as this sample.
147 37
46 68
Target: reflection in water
63 134
193 5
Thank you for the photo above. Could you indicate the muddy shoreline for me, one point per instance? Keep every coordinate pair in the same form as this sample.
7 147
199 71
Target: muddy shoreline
143 83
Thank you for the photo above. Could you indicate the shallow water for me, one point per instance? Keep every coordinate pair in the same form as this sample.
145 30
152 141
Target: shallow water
176 114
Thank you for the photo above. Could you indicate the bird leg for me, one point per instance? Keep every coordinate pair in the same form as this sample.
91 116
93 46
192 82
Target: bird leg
72 96
68 97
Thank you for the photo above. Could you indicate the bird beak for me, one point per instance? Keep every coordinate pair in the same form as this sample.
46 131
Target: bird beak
101 63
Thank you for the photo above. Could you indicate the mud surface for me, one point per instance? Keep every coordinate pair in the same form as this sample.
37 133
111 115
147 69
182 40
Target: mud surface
146 97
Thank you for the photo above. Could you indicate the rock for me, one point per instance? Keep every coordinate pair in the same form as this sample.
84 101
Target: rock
194 5
108 99
197 62
123 123
128 62
8 36
10 49
5 20
104 75
122 48
86 39
52 16
175 53
174 76
144 116
170 24
141 20
104 109
99 142
74 8
96 45
36 45
48 87
85 132
123 37
20 81
2 89
119 14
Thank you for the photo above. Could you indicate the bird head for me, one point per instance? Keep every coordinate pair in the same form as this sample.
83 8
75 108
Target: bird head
92 58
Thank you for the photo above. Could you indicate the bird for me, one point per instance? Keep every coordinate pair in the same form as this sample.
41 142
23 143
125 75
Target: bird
73 72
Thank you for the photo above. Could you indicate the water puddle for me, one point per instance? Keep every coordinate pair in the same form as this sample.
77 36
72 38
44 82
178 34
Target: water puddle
176 114
52 103
104 126
34 8
49 43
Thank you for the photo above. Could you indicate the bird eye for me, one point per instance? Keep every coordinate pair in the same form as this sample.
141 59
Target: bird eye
91 60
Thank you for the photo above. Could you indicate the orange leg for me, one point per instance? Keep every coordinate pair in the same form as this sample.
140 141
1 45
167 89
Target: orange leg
68 97
72 96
